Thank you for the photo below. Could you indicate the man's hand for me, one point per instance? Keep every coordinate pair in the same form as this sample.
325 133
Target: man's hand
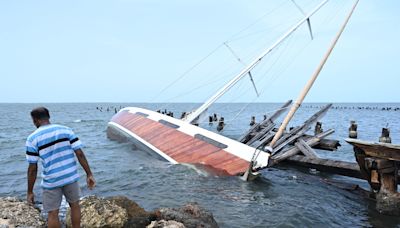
30 198
91 182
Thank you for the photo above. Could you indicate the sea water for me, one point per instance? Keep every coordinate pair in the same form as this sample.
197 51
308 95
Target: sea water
284 197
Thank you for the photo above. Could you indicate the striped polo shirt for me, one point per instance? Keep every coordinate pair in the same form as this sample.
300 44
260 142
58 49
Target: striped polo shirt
54 146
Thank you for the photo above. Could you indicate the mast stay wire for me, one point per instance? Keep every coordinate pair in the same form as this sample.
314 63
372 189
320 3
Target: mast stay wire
224 43
279 52
255 22
238 59
187 72
276 75
219 76
295 57
212 52
254 99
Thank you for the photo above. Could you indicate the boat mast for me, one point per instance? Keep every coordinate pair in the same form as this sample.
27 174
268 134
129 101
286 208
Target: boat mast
191 117
311 81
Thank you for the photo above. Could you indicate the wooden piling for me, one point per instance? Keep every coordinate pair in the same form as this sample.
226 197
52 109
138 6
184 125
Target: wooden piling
385 137
253 121
221 124
353 130
318 128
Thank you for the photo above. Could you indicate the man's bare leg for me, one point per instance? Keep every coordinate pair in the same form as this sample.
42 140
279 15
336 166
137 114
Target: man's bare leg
75 214
53 220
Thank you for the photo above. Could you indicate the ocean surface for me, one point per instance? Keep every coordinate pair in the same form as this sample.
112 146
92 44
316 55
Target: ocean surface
284 197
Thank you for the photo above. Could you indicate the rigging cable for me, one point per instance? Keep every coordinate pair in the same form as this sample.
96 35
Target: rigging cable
212 52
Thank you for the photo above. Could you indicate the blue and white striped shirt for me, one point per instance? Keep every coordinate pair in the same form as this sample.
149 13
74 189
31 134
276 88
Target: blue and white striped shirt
54 146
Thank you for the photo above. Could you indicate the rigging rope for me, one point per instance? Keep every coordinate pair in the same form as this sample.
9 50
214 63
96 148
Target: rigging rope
212 52
186 72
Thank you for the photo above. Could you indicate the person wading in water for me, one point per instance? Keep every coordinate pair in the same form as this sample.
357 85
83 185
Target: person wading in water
56 146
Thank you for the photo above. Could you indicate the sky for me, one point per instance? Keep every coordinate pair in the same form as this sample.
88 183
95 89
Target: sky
132 50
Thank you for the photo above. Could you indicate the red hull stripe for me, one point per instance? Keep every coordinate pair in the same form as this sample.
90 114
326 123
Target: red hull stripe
181 147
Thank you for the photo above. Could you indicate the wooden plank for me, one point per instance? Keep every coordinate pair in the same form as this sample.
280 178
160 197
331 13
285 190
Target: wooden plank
299 131
282 155
325 144
344 168
262 133
379 150
305 148
259 126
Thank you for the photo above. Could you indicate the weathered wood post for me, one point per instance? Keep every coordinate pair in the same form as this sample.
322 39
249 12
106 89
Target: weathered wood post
215 117
183 115
318 128
210 120
353 130
379 164
253 121
385 137
221 124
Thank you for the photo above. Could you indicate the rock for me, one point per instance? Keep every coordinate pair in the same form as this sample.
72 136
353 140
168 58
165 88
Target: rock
137 216
119 211
191 215
17 213
99 212
388 203
165 224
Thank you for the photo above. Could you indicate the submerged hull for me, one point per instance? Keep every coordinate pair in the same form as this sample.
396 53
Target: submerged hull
180 142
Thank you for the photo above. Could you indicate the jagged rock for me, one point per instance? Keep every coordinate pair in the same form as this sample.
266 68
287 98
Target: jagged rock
388 203
191 215
17 213
119 211
137 216
165 224
99 212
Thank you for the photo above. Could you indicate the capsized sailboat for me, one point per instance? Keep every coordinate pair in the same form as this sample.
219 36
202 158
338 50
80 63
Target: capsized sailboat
180 141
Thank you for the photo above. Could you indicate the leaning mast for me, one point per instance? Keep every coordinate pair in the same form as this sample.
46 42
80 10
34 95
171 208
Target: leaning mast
191 117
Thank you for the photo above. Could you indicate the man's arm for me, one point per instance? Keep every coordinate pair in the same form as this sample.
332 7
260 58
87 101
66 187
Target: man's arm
85 165
32 173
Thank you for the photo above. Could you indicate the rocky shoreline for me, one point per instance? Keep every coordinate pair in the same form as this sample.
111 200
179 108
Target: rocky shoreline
117 211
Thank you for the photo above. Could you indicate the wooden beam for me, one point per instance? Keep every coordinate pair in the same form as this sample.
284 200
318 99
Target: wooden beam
305 148
344 168
262 133
282 155
259 126
379 150
299 131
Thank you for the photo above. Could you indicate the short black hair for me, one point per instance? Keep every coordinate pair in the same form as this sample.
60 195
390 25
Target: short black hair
40 113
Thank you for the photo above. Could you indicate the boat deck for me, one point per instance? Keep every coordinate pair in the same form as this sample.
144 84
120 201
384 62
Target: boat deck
179 146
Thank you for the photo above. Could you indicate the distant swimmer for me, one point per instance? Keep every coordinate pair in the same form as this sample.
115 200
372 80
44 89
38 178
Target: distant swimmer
56 146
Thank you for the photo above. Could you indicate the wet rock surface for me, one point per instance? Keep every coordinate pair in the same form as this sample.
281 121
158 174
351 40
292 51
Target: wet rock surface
119 211
17 213
165 224
191 215
99 212
137 216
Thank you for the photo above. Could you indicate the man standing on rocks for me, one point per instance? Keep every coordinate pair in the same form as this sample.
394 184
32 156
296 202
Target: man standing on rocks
56 146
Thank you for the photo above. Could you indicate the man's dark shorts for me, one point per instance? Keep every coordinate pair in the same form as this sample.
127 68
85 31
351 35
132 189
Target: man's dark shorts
52 198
